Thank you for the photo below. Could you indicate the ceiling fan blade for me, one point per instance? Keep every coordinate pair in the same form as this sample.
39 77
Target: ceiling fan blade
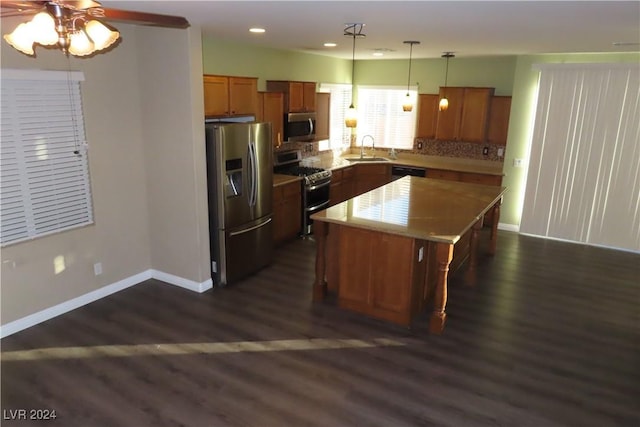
22 5
143 18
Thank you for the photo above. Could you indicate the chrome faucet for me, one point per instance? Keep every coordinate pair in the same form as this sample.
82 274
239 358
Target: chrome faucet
373 146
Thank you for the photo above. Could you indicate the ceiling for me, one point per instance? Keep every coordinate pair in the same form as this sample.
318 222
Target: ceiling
468 28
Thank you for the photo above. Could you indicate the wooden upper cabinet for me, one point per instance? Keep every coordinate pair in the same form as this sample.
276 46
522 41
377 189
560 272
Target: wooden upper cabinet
230 96
272 111
243 92
448 123
475 114
216 96
467 117
499 120
323 112
427 115
299 96
309 96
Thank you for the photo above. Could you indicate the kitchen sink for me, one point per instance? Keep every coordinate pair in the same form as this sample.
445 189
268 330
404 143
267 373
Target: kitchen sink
367 159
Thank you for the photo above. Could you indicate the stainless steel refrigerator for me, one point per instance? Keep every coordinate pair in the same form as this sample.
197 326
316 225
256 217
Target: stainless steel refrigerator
240 186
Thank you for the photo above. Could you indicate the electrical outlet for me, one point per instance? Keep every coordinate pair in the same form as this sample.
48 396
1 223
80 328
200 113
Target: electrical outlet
97 268
500 152
517 163
420 145
485 151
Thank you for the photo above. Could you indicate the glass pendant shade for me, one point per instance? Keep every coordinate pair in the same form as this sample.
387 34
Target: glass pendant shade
351 117
444 104
21 39
43 29
80 45
101 35
408 103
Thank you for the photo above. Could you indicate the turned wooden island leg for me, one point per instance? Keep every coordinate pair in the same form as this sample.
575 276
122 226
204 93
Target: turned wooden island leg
444 255
470 277
320 285
493 240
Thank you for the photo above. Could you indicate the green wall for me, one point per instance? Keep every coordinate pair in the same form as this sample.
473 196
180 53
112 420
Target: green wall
233 59
509 75
496 72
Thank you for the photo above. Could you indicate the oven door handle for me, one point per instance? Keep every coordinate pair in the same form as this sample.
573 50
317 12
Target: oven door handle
315 187
318 207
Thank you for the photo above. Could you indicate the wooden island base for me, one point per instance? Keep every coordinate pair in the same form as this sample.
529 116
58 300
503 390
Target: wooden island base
390 276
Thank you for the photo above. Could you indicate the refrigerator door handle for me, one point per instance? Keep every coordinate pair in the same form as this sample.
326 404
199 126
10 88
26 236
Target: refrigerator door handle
252 173
246 230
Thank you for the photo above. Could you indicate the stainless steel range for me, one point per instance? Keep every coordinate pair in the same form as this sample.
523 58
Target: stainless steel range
315 185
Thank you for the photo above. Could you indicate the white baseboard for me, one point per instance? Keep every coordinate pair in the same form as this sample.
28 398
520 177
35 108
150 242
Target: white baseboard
509 227
51 312
182 282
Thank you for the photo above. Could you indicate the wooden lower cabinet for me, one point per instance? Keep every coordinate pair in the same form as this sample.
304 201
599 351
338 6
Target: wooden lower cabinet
287 207
342 185
379 274
370 176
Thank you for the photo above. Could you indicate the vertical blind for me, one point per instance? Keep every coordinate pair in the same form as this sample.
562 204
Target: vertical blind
44 174
583 182
380 115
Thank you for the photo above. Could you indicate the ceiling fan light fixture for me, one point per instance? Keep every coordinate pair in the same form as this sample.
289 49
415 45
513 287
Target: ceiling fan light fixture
21 39
73 30
102 36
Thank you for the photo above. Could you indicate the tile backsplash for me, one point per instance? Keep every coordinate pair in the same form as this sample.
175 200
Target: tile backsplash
467 150
429 147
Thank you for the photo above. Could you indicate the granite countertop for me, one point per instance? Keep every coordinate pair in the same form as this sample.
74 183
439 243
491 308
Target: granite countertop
328 161
420 208
279 179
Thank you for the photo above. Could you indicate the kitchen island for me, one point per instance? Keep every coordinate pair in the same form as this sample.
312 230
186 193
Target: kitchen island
387 252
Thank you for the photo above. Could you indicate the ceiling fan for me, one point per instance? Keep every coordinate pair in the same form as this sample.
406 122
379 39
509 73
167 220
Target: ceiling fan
74 26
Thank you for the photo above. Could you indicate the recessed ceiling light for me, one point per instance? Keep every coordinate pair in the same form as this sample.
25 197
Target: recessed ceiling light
257 30
378 54
330 45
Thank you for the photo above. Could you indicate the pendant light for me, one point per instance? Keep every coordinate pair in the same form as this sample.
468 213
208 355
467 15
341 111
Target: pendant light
444 102
408 103
352 30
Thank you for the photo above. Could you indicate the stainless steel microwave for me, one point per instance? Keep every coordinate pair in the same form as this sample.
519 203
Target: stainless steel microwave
299 127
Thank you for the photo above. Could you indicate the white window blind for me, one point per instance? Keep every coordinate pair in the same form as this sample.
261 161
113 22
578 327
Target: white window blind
44 186
340 100
380 115
583 182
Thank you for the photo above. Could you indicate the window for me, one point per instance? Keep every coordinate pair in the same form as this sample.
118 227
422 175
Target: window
340 100
380 115
44 185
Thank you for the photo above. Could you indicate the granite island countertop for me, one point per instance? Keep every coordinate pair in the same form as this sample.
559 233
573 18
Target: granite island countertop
279 179
420 208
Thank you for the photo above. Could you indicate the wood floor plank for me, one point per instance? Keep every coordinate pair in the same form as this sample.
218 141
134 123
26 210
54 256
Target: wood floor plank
548 336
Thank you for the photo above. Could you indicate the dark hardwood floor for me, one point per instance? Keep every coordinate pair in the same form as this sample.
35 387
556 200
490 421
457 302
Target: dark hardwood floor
549 336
